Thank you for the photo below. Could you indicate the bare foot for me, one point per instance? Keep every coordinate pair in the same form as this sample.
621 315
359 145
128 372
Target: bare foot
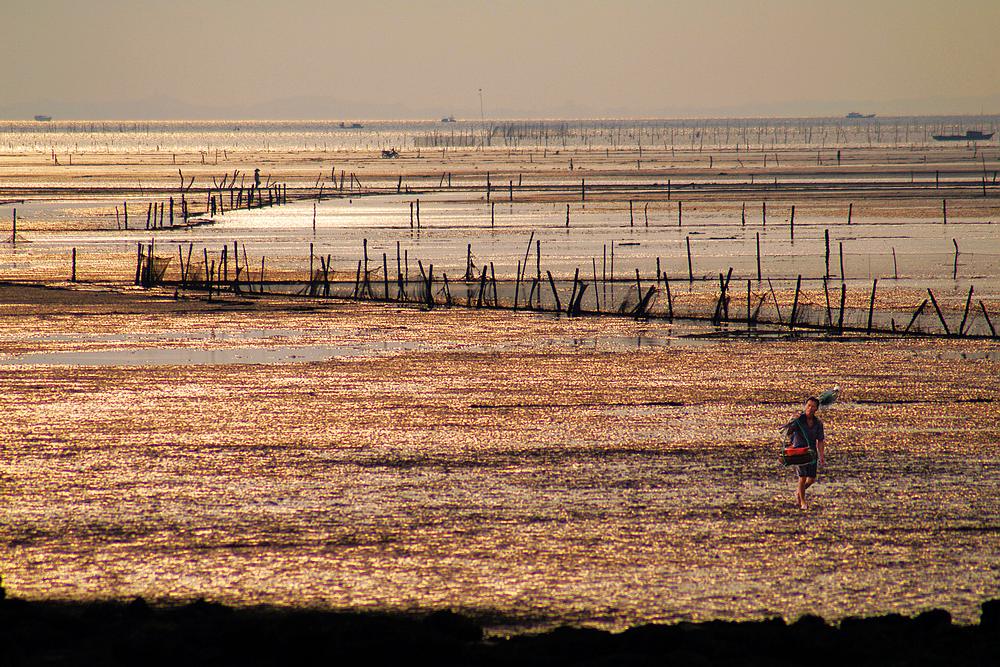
803 505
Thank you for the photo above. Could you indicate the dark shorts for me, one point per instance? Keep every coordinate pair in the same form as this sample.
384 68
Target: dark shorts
809 470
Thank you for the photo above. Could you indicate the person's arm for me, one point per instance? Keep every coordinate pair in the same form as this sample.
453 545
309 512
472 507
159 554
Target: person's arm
820 445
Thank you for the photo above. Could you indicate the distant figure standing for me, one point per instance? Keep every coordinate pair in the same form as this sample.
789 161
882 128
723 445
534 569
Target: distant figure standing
806 430
256 178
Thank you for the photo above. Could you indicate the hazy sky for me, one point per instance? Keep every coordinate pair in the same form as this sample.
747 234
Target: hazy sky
314 59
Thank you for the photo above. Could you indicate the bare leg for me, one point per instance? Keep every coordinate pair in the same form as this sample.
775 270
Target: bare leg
800 495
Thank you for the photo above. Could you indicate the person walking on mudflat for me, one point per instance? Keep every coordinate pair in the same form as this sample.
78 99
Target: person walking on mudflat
806 430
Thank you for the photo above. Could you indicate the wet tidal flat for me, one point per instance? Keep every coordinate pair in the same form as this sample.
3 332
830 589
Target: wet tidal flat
526 469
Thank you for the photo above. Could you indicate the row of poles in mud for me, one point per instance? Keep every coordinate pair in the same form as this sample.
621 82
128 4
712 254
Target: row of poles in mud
479 287
161 214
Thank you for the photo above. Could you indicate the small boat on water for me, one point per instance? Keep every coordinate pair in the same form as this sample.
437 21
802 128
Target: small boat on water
970 135
43 119
855 114
351 126
448 119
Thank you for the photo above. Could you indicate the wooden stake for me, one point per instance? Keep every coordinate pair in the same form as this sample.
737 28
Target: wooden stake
597 298
447 290
555 294
527 251
670 300
687 239
829 312
937 309
871 308
774 297
538 265
385 276
826 238
843 301
916 314
517 284
482 287
493 280
986 316
758 258
795 302
430 285
572 296
965 314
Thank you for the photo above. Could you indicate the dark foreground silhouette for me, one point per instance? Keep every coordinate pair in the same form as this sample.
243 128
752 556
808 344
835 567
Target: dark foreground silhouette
204 633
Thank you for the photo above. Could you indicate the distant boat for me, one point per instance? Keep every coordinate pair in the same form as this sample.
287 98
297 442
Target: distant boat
448 119
43 119
970 135
352 126
855 114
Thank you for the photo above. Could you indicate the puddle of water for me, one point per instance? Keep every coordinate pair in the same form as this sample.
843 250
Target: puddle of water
127 337
182 356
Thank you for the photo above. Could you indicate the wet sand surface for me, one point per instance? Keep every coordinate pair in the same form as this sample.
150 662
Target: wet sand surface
514 466
527 469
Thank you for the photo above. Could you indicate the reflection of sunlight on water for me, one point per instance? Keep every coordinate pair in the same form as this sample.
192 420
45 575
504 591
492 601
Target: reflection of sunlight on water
160 138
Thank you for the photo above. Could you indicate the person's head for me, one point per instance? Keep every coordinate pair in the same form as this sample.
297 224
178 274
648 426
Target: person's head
812 405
